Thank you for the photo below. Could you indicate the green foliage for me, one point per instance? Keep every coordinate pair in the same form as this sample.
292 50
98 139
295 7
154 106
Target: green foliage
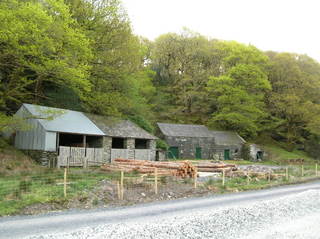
161 144
183 64
238 98
245 152
312 146
295 94
142 122
39 45
25 185
83 55
9 124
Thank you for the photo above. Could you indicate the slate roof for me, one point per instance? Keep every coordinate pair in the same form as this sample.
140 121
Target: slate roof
195 131
120 128
227 138
67 121
184 130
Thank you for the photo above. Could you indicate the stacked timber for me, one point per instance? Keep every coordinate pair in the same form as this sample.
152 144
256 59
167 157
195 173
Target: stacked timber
179 169
215 167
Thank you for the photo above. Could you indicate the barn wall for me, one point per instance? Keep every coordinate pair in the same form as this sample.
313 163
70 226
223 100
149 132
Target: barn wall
32 139
187 146
218 151
51 141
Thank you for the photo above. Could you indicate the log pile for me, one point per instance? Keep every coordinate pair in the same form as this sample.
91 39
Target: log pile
215 167
180 169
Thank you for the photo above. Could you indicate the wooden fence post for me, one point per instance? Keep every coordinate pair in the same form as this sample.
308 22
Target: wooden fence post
269 176
195 179
156 180
65 182
248 178
68 162
121 185
223 177
316 170
119 190
287 173
302 170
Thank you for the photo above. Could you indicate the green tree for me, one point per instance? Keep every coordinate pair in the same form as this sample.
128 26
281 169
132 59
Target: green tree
295 97
117 55
183 63
40 48
237 95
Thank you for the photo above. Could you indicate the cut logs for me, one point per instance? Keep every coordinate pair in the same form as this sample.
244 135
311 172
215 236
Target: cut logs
180 169
215 167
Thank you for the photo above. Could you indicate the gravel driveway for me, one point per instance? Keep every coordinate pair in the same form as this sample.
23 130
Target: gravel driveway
284 212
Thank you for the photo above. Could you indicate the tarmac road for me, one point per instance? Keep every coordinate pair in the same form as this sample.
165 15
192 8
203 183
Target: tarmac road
190 214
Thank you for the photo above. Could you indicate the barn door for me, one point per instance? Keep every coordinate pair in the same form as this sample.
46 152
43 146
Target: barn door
198 153
173 153
227 154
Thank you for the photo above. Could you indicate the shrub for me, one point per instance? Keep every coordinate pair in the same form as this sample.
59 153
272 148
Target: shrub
161 144
245 152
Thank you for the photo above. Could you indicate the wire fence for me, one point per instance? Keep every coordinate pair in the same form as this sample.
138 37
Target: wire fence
76 186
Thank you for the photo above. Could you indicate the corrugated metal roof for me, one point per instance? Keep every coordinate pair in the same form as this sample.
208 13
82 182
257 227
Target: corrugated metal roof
119 128
227 138
184 130
68 122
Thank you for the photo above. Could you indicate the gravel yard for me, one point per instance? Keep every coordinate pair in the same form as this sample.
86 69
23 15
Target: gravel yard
293 216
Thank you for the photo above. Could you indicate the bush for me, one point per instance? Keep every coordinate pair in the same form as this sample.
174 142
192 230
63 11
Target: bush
142 122
245 152
161 144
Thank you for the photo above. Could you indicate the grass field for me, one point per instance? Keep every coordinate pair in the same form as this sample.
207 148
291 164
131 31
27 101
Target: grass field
17 192
24 183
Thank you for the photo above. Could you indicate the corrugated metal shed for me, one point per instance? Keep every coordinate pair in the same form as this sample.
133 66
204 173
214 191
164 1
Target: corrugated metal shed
119 128
184 130
227 138
32 139
69 122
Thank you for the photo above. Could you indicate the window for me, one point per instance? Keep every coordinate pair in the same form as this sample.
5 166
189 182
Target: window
73 140
118 143
141 143
94 141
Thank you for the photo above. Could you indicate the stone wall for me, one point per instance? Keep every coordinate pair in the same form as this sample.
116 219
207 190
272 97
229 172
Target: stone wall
131 147
187 146
44 158
254 149
152 145
107 145
218 151
161 155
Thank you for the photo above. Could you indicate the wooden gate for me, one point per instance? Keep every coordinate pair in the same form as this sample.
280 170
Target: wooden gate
78 156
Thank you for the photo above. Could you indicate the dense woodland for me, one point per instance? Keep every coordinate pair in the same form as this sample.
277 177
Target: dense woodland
83 55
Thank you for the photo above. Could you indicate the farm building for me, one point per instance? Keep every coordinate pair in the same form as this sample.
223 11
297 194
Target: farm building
227 145
124 139
196 141
57 137
256 152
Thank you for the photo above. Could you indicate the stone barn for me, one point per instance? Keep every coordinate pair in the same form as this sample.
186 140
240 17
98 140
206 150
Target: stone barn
197 141
186 141
227 145
124 139
58 137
